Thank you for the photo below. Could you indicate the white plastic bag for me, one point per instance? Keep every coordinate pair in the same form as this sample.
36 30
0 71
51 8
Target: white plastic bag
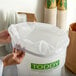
45 48
38 38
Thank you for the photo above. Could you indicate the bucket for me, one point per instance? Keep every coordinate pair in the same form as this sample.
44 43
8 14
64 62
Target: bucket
45 48
37 66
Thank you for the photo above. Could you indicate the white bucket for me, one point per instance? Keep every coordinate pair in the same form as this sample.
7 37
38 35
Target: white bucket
51 55
26 69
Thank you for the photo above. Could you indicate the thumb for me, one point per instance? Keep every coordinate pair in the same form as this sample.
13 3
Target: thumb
14 53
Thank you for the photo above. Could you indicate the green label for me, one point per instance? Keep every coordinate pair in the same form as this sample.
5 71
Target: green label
49 3
63 3
45 66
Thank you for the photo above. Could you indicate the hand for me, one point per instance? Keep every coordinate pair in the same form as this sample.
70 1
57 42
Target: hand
5 37
14 58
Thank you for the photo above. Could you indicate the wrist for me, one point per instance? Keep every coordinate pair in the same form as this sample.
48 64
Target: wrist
7 60
4 63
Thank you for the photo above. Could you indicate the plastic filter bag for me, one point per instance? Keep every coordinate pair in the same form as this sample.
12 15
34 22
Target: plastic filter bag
45 46
38 38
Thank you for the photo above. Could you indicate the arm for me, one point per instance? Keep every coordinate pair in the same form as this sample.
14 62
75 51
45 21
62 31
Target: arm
4 38
14 58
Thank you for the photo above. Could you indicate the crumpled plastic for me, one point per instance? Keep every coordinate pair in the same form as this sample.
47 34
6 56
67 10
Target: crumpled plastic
38 39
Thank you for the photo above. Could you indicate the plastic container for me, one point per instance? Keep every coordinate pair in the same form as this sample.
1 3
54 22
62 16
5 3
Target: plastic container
45 48
24 69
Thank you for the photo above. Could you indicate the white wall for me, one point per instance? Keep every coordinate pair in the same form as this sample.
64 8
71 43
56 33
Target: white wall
36 6
32 6
71 15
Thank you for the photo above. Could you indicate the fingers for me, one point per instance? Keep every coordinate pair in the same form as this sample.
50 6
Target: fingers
18 55
4 33
5 37
21 55
18 52
8 39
